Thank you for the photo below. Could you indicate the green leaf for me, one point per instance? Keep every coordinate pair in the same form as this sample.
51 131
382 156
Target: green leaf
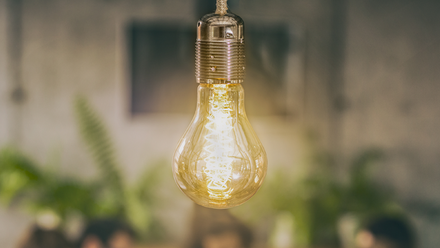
98 141
19 176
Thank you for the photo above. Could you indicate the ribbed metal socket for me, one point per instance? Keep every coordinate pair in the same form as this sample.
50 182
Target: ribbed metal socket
220 61
220 54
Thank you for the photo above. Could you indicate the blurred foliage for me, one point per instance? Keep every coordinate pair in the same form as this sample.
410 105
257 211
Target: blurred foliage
97 139
22 182
319 197
39 189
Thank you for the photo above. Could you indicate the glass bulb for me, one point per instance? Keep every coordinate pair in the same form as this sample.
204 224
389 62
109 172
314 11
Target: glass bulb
220 162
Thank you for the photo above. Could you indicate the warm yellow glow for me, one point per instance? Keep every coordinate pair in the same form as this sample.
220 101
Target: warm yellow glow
220 140
220 162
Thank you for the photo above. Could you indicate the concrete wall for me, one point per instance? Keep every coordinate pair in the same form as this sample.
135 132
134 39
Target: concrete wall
391 85
3 71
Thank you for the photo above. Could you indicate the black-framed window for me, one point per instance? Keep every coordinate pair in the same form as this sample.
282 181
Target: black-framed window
162 68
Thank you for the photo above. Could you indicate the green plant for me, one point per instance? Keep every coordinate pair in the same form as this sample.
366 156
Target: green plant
318 198
39 189
98 141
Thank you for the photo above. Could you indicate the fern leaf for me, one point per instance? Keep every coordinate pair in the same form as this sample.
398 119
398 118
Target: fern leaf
99 143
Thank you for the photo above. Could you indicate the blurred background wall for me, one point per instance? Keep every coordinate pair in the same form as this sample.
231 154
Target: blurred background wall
359 74
391 87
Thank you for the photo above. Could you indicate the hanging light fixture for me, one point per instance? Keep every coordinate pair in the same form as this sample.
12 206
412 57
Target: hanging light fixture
220 162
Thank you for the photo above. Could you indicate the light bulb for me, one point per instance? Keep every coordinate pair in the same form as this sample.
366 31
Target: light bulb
220 162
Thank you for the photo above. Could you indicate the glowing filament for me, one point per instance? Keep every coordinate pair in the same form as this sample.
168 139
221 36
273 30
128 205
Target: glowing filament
220 140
